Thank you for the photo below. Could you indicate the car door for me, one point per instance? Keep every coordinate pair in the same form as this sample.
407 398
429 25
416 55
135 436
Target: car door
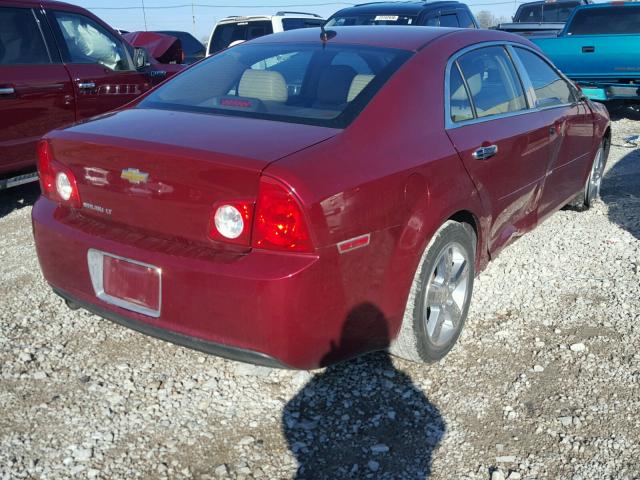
36 94
503 143
574 129
104 77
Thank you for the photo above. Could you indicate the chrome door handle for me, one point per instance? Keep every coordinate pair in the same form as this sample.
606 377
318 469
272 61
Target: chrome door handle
7 91
483 153
86 85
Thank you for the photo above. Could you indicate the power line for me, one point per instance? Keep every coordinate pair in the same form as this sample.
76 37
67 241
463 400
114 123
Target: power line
202 5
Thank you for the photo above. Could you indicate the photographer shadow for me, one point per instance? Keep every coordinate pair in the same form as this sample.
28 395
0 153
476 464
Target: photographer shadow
362 418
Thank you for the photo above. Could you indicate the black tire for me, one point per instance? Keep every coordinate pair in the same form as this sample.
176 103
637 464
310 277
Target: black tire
590 193
414 342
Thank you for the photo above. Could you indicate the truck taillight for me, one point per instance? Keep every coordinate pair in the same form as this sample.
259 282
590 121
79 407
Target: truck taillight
279 222
57 182
275 222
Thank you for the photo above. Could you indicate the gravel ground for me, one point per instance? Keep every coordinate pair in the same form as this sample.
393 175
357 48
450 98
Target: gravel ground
544 382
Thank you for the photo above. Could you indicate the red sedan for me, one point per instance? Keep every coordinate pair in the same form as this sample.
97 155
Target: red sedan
289 194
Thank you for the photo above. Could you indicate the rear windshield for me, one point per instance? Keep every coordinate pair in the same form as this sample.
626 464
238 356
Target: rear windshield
305 83
371 19
296 23
546 12
605 21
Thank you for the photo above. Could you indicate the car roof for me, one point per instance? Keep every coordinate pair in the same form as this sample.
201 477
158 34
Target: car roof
396 8
253 18
400 37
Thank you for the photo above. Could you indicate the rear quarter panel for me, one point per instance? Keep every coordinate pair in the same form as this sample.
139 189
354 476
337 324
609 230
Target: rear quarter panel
393 174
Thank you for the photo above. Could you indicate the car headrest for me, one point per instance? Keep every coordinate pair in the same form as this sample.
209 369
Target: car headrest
358 84
263 85
334 84
475 85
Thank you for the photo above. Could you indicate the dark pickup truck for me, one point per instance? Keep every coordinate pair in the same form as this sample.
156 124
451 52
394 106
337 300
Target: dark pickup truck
60 64
541 19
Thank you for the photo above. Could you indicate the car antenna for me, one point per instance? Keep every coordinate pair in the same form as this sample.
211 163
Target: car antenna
326 35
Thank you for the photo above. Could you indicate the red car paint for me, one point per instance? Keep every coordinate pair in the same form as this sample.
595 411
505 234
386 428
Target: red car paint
373 195
48 95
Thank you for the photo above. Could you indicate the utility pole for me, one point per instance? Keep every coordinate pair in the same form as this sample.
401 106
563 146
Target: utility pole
144 15
193 15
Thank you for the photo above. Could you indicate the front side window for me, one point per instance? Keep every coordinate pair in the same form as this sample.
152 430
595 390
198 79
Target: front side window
550 88
294 83
88 42
605 21
20 39
493 82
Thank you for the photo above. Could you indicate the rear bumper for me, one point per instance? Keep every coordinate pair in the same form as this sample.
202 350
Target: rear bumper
260 307
224 351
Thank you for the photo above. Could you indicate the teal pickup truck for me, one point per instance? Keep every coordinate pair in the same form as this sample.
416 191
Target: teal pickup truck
599 49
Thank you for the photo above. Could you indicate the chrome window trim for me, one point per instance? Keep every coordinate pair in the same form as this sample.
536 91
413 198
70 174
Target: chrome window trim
95 261
521 72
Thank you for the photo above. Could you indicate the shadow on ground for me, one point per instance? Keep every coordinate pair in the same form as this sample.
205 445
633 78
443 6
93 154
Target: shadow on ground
15 198
362 418
621 192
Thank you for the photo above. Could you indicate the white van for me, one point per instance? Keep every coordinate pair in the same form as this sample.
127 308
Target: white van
234 30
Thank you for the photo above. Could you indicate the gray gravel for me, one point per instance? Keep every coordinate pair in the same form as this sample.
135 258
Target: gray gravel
544 383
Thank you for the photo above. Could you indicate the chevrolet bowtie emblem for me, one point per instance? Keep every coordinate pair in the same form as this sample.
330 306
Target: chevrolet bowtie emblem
133 175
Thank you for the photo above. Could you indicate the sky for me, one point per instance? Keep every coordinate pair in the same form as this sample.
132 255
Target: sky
177 14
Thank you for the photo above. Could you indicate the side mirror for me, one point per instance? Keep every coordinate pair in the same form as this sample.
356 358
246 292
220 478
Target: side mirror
140 58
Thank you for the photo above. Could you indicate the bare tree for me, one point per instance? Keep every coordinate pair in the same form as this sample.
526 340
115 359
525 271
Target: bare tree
485 19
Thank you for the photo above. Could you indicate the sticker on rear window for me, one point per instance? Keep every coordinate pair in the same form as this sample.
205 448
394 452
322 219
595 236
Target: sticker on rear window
386 18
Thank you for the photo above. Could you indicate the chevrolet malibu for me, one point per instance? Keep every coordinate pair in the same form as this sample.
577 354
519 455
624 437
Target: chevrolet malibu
307 197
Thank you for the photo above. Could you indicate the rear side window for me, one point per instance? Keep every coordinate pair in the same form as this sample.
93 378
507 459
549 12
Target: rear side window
459 103
89 42
465 19
449 20
605 21
372 19
546 12
493 82
228 34
282 82
550 88
296 23
20 39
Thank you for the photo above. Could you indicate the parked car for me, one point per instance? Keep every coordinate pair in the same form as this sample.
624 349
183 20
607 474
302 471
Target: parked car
59 64
432 14
192 48
598 50
236 29
222 212
541 19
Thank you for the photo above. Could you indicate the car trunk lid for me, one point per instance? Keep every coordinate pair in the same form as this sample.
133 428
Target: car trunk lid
164 171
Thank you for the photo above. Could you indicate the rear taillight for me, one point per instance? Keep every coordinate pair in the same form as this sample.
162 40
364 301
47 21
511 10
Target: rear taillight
57 182
275 222
279 222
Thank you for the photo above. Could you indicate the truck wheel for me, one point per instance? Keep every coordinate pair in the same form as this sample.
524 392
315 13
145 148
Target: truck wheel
440 295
